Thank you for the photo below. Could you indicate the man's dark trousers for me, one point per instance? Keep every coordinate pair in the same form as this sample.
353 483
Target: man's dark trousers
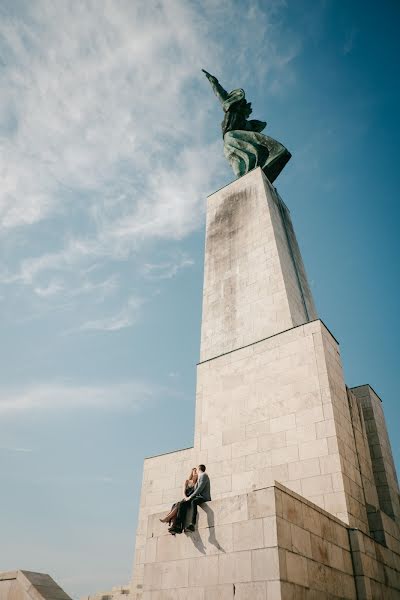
184 507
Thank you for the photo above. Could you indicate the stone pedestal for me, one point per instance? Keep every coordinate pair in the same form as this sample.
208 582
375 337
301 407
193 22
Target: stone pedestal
299 510
254 279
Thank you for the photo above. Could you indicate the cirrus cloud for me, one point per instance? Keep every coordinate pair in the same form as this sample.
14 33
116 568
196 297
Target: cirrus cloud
64 395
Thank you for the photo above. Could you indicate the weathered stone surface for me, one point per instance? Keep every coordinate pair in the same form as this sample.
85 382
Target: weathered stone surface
384 471
272 408
300 551
251 261
28 585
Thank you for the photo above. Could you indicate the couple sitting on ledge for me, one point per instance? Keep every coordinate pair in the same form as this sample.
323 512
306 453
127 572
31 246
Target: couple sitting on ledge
196 491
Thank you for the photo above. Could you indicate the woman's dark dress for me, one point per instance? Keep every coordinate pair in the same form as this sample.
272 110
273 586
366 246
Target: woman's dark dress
188 491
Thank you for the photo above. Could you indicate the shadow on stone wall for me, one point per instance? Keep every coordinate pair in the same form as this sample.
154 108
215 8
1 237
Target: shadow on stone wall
195 536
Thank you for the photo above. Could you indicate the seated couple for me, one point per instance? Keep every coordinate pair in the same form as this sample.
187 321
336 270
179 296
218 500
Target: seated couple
196 491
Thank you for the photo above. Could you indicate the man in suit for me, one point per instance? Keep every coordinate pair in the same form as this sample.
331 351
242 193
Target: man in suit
200 494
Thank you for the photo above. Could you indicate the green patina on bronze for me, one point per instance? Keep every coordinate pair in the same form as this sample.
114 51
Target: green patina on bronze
245 146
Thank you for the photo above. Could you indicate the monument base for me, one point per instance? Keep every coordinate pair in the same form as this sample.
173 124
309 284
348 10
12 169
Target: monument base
268 544
305 496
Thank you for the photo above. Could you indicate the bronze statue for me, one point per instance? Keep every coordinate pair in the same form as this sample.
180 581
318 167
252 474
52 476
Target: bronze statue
245 146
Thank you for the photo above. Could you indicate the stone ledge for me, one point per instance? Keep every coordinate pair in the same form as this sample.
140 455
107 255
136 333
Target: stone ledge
301 498
269 338
268 535
170 452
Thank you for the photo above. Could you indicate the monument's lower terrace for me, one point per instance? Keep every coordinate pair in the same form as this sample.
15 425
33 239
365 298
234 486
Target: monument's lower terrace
269 543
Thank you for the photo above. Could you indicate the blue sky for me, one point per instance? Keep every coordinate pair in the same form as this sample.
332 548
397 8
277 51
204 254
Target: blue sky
109 144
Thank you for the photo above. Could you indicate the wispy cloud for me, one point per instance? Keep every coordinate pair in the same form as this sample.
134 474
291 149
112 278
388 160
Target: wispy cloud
167 269
125 317
101 288
67 396
107 118
109 137
49 290
73 115
16 450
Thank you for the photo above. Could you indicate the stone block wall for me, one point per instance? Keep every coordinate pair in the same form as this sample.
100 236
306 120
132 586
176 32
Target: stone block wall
376 568
254 282
298 290
315 552
380 449
278 410
118 592
268 544
368 494
162 485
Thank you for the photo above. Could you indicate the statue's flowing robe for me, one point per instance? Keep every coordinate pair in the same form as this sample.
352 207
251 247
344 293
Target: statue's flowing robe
246 150
244 146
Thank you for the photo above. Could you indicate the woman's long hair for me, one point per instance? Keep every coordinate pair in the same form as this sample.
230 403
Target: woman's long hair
193 477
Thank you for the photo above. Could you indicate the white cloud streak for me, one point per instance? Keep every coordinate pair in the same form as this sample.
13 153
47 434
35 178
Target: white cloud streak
105 129
49 290
167 269
125 317
64 396
16 450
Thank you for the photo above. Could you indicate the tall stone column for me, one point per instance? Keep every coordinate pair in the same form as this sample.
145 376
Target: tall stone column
255 284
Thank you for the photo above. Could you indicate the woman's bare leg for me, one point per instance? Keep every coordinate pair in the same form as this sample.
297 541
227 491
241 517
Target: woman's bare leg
170 516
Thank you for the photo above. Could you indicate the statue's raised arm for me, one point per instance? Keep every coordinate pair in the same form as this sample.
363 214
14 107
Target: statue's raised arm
216 86
244 146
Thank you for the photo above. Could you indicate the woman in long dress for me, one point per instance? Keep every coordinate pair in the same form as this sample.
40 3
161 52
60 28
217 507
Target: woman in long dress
245 147
188 488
